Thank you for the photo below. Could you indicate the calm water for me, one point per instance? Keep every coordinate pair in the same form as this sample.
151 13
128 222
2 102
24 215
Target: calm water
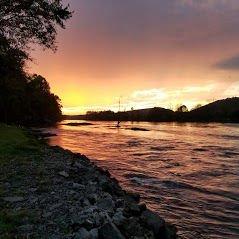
188 173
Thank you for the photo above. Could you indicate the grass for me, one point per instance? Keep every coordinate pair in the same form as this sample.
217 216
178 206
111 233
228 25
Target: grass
14 140
18 150
9 220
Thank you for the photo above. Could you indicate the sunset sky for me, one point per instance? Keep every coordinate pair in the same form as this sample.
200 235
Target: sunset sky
148 52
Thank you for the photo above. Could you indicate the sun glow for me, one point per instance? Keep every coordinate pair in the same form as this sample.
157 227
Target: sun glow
134 51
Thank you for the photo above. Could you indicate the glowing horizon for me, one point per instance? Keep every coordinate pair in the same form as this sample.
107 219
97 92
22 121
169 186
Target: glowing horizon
150 53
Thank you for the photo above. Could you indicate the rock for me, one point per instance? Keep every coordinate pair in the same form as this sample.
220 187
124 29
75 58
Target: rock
110 231
55 206
92 198
33 190
78 186
119 218
64 174
142 207
134 209
26 228
109 186
88 224
104 172
47 214
132 227
120 203
78 124
13 199
85 202
154 222
81 167
132 197
139 129
82 234
94 233
171 231
106 204
33 200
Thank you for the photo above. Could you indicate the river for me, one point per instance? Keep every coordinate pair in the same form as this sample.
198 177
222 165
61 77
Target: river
187 172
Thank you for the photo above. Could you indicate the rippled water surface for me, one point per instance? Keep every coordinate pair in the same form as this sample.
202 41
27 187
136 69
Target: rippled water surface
188 173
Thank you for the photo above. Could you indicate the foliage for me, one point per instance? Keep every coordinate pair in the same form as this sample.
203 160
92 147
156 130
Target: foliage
182 108
153 114
27 99
24 99
23 22
45 107
197 106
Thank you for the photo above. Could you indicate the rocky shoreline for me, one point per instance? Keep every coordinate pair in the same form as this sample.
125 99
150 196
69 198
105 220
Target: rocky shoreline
65 195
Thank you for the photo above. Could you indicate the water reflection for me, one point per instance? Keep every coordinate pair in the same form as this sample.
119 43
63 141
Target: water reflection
188 173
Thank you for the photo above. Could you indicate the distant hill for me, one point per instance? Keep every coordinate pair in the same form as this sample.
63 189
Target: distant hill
226 110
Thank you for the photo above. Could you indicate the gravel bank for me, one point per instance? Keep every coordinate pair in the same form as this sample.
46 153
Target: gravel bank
59 194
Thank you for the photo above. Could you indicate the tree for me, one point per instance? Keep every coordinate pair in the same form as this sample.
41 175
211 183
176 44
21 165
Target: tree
23 22
25 99
44 107
197 106
182 108
12 82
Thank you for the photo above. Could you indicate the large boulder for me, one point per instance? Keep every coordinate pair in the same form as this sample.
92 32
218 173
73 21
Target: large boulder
106 204
154 223
110 231
82 234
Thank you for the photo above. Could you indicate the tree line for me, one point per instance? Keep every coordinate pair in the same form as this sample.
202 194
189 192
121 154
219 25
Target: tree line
226 110
26 99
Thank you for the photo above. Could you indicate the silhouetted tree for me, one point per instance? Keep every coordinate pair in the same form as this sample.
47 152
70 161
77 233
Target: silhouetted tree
32 21
45 107
182 108
197 106
12 82
24 99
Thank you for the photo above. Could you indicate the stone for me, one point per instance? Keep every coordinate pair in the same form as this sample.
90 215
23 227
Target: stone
85 202
47 214
78 186
33 190
82 234
88 224
132 227
154 222
92 198
106 204
134 209
94 233
142 207
64 174
13 199
132 197
26 228
110 231
55 206
120 203
119 218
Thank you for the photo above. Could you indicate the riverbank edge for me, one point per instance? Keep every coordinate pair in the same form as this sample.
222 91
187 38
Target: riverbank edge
100 209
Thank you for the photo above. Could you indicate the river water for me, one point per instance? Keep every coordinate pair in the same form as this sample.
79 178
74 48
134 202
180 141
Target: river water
188 173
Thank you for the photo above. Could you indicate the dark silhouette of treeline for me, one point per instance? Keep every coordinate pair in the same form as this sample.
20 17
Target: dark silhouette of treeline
26 99
226 110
